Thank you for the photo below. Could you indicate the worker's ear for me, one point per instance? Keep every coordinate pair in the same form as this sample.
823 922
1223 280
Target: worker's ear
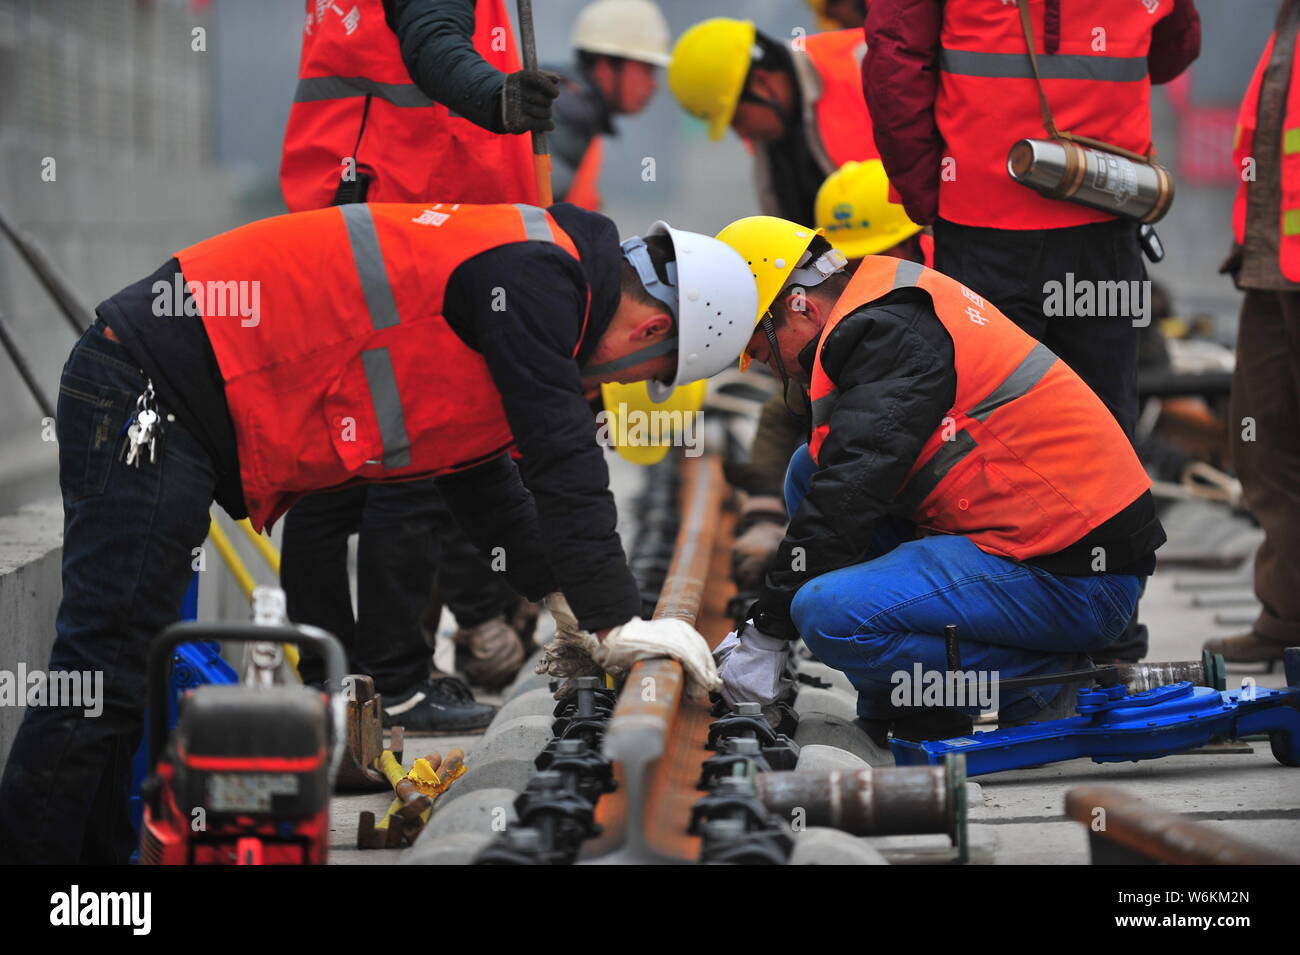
762 83
654 326
800 304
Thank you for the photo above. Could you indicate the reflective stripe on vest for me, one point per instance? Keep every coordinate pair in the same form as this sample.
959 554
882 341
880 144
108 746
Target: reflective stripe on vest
1052 66
382 380
313 89
1027 374
369 262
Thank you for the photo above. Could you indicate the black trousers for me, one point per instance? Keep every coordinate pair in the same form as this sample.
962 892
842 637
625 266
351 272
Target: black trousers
1012 268
406 539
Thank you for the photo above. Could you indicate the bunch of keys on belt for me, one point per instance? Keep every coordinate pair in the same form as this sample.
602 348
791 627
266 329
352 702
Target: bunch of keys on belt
143 429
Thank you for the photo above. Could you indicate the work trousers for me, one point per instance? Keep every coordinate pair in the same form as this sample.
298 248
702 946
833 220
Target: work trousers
884 616
1265 429
131 541
1012 268
405 535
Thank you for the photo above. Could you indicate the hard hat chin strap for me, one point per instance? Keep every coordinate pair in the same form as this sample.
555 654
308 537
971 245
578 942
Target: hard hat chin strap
665 347
769 330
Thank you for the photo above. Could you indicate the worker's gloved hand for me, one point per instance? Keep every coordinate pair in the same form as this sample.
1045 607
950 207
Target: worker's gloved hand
760 528
752 665
753 552
526 101
569 655
646 639
489 654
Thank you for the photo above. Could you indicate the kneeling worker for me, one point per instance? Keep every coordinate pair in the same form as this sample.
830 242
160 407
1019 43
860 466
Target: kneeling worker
957 472
355 343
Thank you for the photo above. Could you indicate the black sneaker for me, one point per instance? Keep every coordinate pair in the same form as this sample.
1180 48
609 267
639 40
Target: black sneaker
437 705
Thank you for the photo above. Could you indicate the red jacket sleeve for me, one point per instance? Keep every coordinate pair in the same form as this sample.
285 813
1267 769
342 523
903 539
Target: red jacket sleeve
900 77
1175 42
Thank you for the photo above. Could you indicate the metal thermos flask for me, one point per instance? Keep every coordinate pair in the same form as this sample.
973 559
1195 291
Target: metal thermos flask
1061 169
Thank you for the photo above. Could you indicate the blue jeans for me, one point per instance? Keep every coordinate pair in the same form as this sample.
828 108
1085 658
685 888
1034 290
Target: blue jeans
880 617
130 539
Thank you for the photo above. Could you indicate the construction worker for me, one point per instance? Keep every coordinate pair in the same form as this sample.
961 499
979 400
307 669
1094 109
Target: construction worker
620 46
408 101
951 88
365 342
800 107
1265 264
957 473
856 215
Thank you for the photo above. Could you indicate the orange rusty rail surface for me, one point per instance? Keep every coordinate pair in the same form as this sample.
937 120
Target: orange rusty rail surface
1159 835
656 736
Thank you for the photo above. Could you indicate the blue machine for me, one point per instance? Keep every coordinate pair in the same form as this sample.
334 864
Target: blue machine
193 664
1114 727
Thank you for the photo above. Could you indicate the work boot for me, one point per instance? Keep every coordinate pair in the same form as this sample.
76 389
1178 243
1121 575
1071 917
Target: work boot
489 654
440 704
1247 648
926 723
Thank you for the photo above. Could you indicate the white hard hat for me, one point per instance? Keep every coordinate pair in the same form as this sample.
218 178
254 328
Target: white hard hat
716 302
631 29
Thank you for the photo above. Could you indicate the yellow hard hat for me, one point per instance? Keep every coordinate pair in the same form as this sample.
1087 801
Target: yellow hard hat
708 69
854 211
635 435
772 247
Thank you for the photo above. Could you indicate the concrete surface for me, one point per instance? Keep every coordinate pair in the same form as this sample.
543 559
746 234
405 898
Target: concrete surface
31 551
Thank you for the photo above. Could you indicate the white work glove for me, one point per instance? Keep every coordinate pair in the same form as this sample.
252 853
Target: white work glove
646 639
576 652
751 665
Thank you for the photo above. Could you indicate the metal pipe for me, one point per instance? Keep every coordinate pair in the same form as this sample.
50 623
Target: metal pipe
865 802
24 371
1123 828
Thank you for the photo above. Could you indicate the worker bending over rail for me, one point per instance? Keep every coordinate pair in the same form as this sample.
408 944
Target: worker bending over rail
384 342
957 472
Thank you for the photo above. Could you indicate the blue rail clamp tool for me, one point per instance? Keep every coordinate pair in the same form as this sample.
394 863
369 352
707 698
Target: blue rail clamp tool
1114 727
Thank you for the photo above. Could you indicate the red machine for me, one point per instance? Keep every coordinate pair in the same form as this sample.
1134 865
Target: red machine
246 777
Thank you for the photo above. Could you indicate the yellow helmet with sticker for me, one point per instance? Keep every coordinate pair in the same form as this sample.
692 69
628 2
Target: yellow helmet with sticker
641 429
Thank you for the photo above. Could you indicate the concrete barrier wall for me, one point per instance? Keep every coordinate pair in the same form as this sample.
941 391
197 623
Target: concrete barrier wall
31 552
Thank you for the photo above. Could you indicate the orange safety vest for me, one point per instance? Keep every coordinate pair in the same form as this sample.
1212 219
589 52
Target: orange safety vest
584 190
1096 83
1028 460
842 123
346 371
355 99
1242 146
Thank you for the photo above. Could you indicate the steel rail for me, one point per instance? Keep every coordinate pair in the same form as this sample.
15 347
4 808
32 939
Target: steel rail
1123 829
655 732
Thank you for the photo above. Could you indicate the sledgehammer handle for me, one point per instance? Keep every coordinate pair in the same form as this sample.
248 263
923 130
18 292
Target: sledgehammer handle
541 154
